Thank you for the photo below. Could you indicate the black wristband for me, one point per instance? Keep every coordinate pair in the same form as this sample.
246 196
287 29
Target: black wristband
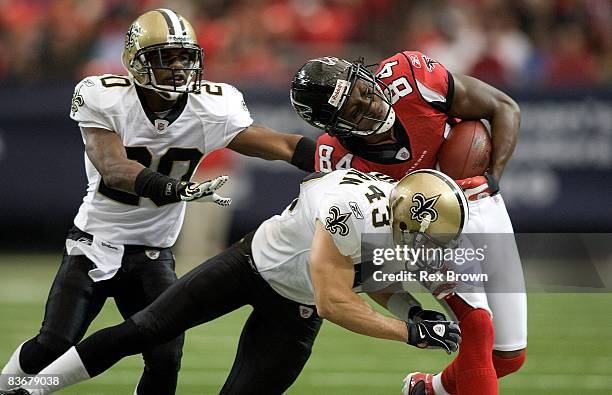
159 188
304 155
412 333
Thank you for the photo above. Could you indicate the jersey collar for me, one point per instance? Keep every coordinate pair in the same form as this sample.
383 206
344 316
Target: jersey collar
172 116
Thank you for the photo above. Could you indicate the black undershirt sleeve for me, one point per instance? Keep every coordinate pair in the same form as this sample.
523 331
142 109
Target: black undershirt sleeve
304 154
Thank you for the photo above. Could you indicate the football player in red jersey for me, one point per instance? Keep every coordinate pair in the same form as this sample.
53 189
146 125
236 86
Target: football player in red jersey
394 121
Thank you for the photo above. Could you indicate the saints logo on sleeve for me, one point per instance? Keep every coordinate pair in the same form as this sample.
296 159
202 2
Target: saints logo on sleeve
343 225
336 221
77 100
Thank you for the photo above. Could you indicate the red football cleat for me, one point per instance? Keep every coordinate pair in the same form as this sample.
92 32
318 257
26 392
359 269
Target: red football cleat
418 383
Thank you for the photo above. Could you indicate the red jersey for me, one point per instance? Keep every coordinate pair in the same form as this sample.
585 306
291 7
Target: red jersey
422 92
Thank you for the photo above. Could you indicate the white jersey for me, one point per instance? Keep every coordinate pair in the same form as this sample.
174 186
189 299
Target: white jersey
172 145
348 203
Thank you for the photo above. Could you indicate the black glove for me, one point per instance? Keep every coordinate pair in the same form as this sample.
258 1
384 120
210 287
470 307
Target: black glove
417 314
435 334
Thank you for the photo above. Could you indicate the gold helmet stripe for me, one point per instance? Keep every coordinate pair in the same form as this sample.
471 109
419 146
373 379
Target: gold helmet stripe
463 204
175 24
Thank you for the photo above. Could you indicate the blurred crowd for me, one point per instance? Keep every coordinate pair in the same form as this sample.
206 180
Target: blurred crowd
511 43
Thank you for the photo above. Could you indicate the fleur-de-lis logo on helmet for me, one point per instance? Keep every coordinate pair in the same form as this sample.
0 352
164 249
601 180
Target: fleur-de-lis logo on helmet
336 222
131 36
424 207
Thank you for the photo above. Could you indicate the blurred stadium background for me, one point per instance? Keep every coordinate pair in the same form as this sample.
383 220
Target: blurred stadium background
553 56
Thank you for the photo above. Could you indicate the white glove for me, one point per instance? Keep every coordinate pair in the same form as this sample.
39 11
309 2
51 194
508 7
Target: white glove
205 192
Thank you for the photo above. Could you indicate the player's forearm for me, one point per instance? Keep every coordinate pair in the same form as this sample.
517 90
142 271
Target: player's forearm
106 152
122 175
285 148
263 142
358 316
268 146
505 125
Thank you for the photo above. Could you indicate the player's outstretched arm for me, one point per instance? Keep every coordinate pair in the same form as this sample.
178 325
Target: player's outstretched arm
263 142
406 307
332 277
106 152
474 99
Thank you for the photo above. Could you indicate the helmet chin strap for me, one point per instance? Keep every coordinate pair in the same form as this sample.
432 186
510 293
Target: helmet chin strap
173 96
164 94
425 223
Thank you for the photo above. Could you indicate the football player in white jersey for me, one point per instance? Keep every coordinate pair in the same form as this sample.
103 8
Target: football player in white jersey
144 136
295 269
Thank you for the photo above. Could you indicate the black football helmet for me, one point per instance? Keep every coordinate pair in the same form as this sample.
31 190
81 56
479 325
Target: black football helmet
320 88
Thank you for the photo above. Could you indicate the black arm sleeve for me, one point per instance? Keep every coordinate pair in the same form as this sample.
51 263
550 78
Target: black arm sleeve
159 188
304 154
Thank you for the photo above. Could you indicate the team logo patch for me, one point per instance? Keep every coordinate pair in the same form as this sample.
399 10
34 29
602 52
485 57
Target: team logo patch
424 207
302 109
131 36
430 64
415 61
161 125
152 254
439 329
403 154
306 312
336 222
356 210
77 100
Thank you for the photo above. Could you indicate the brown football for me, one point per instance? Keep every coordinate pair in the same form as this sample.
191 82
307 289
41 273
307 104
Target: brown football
466 152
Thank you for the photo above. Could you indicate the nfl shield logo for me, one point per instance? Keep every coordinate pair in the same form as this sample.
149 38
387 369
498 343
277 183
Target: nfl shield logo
306 312
152 254
161 125
403 154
